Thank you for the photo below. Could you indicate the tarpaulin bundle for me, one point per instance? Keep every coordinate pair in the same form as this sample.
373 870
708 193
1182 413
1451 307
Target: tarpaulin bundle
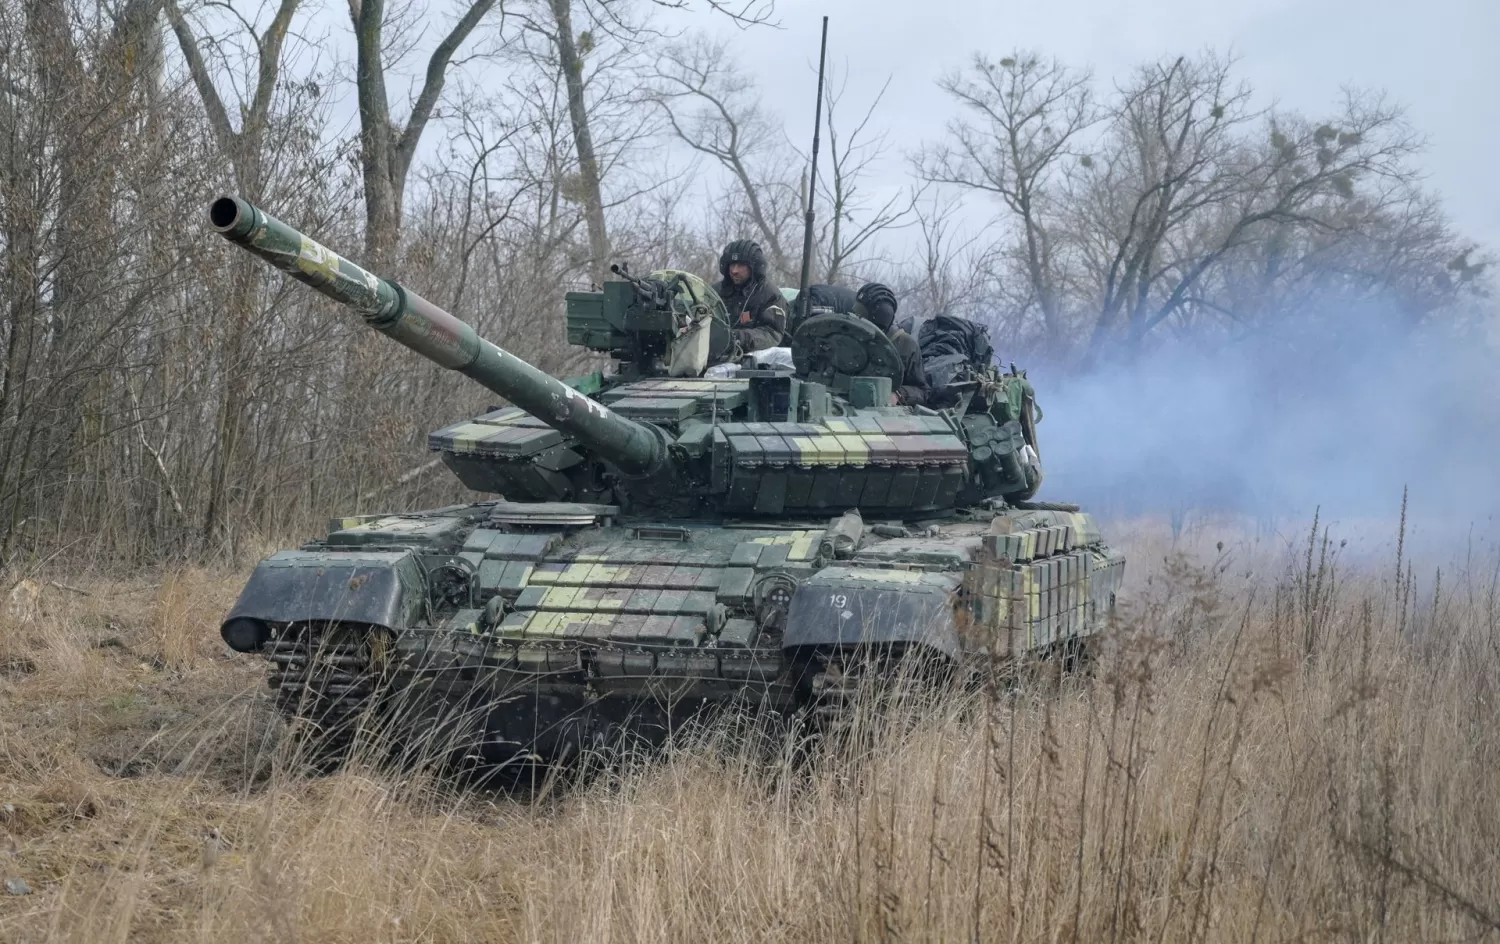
948 342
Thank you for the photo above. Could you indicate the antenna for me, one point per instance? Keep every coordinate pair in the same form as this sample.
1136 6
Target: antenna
812 179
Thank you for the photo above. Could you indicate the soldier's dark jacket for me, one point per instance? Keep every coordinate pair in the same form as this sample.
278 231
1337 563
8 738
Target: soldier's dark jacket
877 304
913 389
757 310
757 313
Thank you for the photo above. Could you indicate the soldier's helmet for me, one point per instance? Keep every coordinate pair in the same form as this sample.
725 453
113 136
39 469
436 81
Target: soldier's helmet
747 251
877 303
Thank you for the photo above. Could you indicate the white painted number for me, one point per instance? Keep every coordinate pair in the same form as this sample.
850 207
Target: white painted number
839 600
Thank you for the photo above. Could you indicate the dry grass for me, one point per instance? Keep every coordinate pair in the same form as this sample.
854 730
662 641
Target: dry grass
1273 747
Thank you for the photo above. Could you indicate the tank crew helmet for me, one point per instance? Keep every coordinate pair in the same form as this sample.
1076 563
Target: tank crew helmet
747 252
878 303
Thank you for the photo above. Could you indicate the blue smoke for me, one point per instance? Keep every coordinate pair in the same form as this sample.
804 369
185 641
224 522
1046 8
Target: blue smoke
1341 419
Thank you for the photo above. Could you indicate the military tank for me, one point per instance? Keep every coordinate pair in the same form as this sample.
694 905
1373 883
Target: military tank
675 534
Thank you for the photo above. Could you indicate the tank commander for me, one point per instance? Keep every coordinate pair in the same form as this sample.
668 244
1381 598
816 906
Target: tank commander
757 311
876 303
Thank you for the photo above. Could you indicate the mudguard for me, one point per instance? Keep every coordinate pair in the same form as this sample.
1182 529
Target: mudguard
380 588
847 606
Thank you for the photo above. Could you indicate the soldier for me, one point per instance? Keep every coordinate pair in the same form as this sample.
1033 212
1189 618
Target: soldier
757 311
877 304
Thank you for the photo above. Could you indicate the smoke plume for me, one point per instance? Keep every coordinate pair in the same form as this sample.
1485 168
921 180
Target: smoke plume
1339 420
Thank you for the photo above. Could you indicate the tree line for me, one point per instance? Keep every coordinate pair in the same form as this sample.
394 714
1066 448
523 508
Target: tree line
164 395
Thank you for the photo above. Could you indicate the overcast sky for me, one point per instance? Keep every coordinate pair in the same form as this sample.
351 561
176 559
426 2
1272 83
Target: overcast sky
1439 58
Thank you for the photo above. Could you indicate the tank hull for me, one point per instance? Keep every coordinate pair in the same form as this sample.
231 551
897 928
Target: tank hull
500 632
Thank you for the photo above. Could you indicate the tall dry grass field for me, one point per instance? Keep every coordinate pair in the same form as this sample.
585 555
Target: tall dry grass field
1273 746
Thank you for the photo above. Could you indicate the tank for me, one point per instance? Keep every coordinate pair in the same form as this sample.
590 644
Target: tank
682 532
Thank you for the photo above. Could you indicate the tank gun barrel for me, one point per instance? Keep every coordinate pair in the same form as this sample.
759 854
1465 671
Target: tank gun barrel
438 336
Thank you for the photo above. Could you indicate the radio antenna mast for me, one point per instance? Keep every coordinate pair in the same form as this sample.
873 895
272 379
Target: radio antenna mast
812 180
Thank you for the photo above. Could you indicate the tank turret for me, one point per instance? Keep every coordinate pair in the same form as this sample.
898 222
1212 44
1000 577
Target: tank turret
657 436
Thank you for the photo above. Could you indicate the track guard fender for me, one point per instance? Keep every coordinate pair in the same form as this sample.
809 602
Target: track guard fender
378 588
852 606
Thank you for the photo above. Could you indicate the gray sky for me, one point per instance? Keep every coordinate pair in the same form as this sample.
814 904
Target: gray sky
1438 58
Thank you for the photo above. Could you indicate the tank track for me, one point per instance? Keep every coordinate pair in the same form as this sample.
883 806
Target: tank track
841 689
324 684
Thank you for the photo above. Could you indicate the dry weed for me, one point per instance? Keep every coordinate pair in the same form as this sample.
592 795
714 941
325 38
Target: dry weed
1261 753
186 624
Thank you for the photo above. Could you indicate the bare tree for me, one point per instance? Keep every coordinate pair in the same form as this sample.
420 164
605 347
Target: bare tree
743 14
608 43
853 222
1180 185
89 85
386 148
1032 115
947 275
72 79
570 59
241 146
565 51
1392 249
714 109
84 197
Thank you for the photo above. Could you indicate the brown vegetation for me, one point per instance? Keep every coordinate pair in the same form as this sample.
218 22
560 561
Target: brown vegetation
1271 747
